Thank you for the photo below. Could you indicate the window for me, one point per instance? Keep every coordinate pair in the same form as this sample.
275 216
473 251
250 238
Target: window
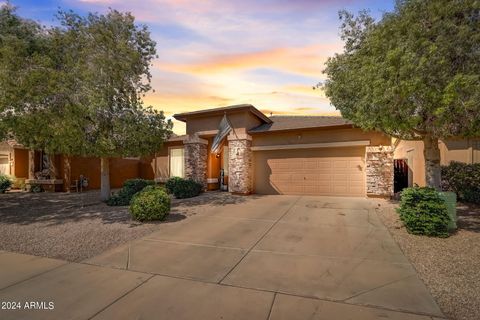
177 162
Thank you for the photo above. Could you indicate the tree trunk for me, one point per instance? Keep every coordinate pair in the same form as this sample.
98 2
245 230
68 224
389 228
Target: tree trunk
104 179
31 164
67 173
53 168
431 153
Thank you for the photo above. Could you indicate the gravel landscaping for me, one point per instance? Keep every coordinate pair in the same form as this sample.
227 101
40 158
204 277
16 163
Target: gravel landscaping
449 267
71 226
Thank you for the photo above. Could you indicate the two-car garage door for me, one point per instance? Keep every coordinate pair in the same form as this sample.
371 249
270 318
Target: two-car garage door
323 171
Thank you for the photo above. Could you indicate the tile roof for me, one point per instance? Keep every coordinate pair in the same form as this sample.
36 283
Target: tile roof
281 123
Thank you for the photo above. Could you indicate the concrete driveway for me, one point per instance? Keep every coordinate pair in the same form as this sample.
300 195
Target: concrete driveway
270 257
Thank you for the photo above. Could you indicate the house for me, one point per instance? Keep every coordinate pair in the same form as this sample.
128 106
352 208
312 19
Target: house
60 173
279 154
306 155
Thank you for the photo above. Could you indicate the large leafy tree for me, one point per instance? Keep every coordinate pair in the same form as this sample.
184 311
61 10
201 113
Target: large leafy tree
77 89
33 97
113 73
414 75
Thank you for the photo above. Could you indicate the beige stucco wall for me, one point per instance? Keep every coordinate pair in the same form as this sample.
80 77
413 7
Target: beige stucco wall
319 136
413 152
241 121
162 162
461 150
8 151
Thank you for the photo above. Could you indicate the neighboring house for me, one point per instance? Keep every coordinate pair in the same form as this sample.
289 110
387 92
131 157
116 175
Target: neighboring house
461 150
13 159
58 174
303 155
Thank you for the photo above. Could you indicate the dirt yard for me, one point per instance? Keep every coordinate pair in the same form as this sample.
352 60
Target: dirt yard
74 226
449 267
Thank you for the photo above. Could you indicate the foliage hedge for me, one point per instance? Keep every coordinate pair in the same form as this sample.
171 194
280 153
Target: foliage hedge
186 188
5 183
463 179
171 183
424 212
36 188
152 203
129 189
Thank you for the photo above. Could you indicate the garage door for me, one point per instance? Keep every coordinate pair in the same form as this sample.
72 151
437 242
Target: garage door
327 171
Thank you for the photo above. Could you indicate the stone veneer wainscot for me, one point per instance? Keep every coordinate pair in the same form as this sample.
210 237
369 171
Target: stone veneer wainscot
379 172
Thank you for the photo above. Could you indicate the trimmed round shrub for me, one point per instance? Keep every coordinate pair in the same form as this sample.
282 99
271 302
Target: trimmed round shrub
171 183
129 189
152 203
187 189
424 212
5 183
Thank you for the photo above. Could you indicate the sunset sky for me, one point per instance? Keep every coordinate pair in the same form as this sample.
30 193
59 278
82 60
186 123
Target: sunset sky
215 53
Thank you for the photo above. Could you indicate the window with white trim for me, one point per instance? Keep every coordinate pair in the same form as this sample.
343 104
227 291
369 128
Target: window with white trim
177 162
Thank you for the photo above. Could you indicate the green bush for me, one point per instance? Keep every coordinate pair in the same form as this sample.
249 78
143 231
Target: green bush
36 188
5 183
129 189
463 179
152 203
424 212
19 183
187 189
171 183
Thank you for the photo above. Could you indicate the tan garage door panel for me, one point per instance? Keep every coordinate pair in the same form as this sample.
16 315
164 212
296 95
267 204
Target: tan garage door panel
329 171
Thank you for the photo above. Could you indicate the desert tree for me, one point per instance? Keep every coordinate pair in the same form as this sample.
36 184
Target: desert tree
77 88
414 74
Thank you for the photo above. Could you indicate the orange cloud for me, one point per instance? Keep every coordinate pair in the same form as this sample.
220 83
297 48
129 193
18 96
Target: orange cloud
305 60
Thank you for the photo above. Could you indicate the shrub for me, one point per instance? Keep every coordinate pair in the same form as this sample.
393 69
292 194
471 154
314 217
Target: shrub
463 179
187 189
5 183
424 212
152 203
36 188
129 189
171 183
19 183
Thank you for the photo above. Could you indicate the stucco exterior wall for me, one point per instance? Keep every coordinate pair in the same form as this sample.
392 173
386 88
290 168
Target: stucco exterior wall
412 151
21 163
160 164
7 154
241 121
461 150
319 136
120 170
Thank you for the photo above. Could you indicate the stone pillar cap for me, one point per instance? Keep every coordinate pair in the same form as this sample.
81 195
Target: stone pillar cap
194 139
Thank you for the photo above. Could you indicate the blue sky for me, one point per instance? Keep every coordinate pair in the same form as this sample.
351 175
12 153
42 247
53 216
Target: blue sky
215 53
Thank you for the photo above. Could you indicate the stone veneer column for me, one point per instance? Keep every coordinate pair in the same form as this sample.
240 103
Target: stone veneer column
196 159
240 176
379 172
